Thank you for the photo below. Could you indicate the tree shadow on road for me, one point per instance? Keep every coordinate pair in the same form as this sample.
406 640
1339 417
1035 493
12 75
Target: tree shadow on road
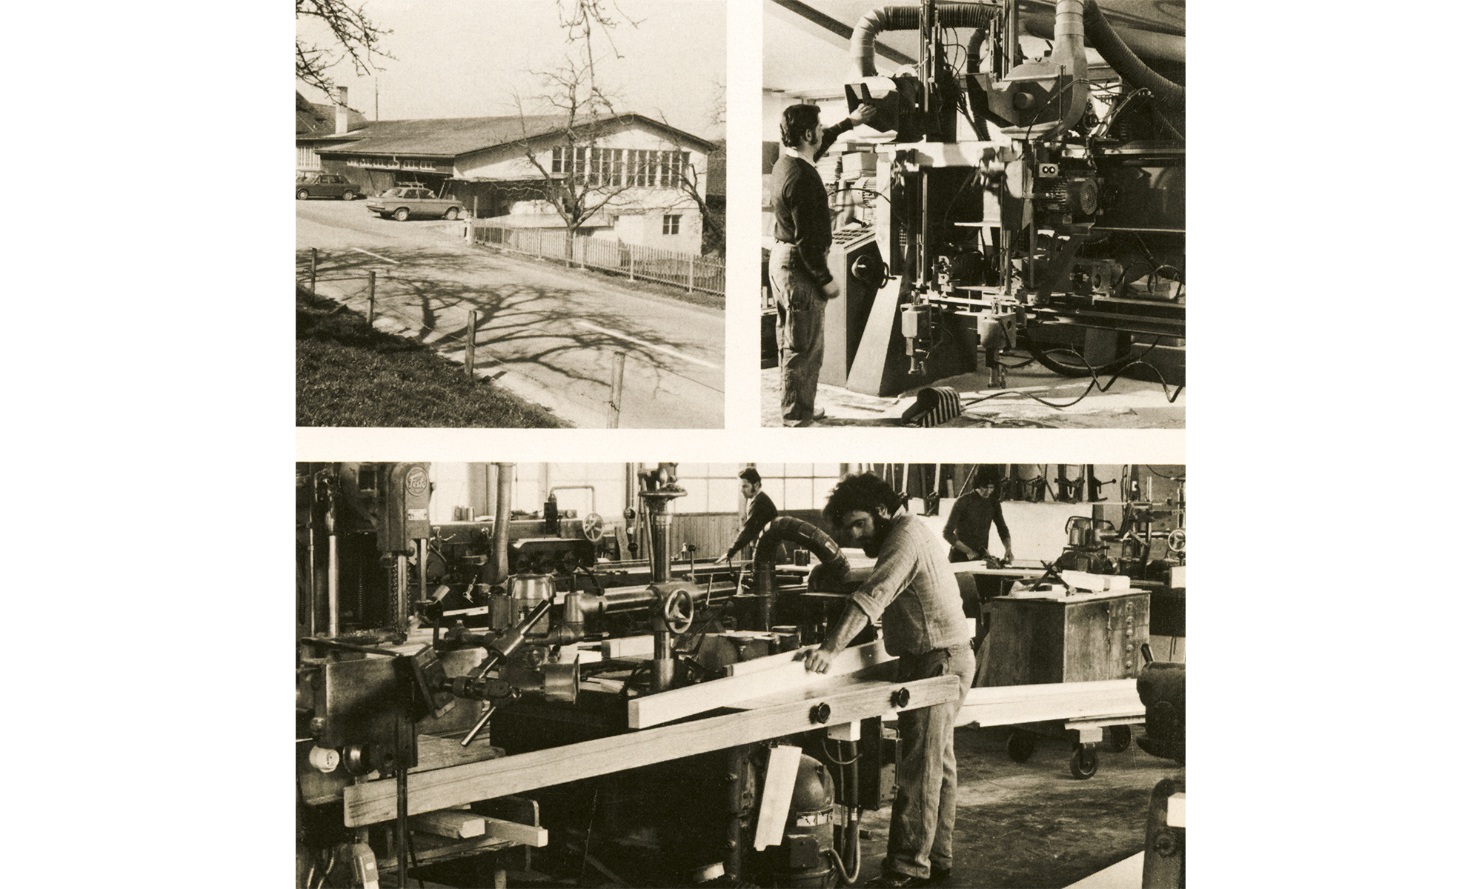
518 322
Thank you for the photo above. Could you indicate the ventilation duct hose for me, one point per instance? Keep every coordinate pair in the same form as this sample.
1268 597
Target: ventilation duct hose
794 530
1101 36
907 18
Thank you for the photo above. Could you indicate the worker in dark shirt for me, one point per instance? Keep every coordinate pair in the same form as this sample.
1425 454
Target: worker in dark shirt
798 270
913 595
973 516
759 511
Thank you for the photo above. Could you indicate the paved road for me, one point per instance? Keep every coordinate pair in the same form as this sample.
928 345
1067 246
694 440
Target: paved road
551 336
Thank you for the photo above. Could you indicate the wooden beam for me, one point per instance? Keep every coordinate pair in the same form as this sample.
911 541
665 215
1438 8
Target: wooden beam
1019 704
515 832
785 673
874 651
375 801
455 824
628 646
771 815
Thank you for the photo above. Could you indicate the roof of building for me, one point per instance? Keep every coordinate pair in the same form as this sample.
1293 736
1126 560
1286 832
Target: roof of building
312 119
452 137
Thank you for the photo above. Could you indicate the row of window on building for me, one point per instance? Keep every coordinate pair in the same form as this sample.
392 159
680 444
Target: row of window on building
620 167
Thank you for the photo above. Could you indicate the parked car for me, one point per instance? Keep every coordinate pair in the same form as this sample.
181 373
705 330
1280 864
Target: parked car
404 202
326 185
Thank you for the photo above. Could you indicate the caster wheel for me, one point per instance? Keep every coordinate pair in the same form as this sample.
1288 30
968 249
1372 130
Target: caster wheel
1118 738
1020 746
1083 763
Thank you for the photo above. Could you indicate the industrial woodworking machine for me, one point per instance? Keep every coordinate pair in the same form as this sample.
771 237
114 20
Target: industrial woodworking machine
465 722
1015 200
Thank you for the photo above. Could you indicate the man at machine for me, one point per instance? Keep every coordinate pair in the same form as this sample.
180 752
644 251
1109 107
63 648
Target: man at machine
913 594
973 516
759 511
798 269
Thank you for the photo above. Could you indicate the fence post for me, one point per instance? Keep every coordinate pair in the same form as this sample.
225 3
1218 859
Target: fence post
631 262
583 261
615 403
370 312
314 270
473 325
689 280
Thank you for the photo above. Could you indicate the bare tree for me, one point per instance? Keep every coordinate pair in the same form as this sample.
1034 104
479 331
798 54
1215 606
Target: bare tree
354 37
712 214
577 183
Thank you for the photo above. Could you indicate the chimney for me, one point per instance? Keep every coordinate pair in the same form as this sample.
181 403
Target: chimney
342 112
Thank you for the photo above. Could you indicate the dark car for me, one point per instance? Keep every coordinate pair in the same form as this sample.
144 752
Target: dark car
326 185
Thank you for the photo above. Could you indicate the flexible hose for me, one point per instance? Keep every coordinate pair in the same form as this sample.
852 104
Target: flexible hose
764 564
1101 36
905 18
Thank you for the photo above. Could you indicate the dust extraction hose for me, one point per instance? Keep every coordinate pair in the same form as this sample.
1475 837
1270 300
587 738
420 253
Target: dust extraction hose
905 18
1101 36
795 530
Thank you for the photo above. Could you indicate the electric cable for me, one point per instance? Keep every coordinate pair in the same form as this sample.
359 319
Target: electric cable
1095 381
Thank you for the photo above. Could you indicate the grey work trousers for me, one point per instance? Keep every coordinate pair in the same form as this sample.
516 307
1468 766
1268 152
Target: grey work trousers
800 305
925 807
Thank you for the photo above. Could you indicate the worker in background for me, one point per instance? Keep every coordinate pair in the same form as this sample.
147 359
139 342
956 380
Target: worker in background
913 594
798 269
759 511
973 517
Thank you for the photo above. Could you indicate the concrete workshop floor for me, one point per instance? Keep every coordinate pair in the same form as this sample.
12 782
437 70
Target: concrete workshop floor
1129 404
1030 825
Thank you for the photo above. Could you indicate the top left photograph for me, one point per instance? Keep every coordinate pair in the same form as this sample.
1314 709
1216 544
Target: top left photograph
510 215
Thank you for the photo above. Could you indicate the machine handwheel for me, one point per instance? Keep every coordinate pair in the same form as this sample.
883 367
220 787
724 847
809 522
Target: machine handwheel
1020 746
679 611
1178 540
592 526
1083 762
1118 738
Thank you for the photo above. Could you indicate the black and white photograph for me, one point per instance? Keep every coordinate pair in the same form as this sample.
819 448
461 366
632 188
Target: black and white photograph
973 214
739 674
510 214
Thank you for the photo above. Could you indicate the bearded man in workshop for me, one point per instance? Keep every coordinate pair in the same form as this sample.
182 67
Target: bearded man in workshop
913 594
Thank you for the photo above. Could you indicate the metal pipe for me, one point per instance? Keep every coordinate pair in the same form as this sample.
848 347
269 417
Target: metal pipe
501 521
313 589
401 608
591 492
1067 59
333 578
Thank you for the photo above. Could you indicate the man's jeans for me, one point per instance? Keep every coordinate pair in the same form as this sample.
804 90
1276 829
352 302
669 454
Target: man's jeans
800 306
926 768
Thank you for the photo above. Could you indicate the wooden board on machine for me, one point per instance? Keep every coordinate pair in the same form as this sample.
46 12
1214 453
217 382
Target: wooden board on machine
1037 641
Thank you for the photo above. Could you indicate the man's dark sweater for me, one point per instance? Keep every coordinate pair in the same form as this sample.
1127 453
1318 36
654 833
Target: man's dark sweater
760 511
800 206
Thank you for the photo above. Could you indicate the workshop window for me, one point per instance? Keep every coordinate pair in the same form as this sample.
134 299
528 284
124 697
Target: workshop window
671 223
711 487
560 160
797 486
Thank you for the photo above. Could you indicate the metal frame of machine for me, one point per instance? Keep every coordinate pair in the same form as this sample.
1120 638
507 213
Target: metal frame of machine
1058 225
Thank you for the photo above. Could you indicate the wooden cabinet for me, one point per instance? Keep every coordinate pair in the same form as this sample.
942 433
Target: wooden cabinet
1072 639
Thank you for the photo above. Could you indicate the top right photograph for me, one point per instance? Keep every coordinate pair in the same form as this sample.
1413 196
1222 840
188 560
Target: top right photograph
973 214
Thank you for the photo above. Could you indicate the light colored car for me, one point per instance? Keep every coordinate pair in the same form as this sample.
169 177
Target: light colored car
404 202
325 185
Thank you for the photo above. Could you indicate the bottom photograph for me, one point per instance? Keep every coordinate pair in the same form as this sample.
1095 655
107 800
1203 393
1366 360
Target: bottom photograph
740 674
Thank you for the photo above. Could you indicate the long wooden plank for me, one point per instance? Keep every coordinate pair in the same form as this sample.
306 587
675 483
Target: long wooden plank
784 675
1014 705
874 651
375 801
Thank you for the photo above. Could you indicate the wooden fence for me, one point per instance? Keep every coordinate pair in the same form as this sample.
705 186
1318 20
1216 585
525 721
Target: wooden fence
693 273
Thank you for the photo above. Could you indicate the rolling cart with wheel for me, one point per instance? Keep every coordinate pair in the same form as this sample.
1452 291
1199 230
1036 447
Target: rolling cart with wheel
1098 713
